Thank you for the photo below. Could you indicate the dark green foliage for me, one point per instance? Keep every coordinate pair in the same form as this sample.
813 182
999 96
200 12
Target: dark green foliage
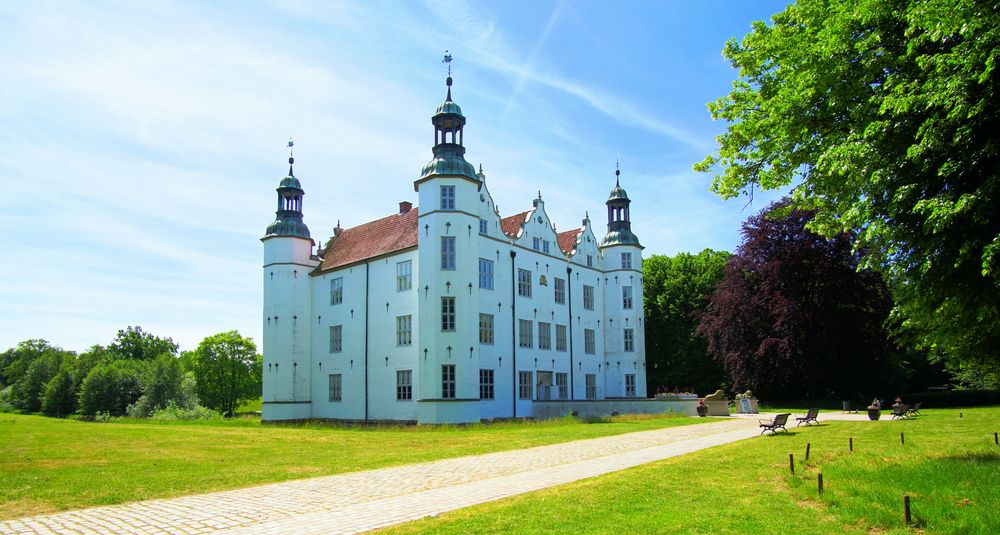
228 371
675 291
794 317
163 383
886 114
134 344
28 390
111 387
953 398
59 399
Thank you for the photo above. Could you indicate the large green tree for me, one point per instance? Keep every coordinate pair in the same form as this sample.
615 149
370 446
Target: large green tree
228 371
133 343
885 116
675 290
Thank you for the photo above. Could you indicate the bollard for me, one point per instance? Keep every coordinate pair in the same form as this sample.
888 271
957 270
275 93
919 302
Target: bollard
819 482
850 444
807 450
906 511
959 415
791 462
901 439
995 439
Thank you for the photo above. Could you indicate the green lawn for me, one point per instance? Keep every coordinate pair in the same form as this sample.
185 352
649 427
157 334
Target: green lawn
949 466
48 464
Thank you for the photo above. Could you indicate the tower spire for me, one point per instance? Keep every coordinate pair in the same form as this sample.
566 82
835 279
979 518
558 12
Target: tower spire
288 217
449 149
291 156
447 59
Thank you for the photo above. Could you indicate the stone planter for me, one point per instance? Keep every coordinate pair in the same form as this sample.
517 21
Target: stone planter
874 414
717 407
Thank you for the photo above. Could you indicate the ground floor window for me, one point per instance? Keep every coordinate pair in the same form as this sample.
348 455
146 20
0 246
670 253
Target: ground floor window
485 384
630 385
524 386
404 384
448 381
563 385
335 384
591 386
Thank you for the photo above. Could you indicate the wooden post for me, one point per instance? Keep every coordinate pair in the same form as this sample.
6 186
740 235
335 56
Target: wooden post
791 462
850 443
995 439
807 450
901 439
819 482
906 510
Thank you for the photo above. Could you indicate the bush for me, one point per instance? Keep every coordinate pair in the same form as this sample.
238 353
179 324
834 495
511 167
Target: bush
111 387
164 382
172 412
5 404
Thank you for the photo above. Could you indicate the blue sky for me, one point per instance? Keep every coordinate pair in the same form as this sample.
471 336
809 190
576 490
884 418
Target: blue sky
141 142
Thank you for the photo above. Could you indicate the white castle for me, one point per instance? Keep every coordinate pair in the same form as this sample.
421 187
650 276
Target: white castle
450 313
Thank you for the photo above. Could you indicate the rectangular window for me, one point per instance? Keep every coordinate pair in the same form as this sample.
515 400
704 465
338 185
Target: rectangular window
627 297
525 336
545 246
562 385
447 313
591 386
447 197
590 261
448 381
560 338
448 253
536 244
404 276
560 287
336 338
486 329
485 384
483 226
629 340
485 274
588 297
524 386
630 385
404 385
589 342
335 392
404 330
544 335
337 291
626 260
524 282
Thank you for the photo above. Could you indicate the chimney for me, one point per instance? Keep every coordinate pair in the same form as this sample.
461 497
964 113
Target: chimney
405 206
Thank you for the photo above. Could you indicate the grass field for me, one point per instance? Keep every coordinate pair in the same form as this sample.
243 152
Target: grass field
949 466
48 464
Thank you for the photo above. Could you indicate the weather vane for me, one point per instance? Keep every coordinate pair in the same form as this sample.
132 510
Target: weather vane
290 145
447 59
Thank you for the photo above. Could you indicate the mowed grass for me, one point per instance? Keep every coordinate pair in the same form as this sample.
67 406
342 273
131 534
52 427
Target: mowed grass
949 466
49 464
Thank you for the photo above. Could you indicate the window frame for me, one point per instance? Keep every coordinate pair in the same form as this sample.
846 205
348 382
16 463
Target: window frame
525 385
544 335
486 275
336 339
448 253
486 329
404 330
336 386
446 198
336 291
628 337
448 313
487 385
588 297
626 260
524 282
561 337
590 380
448 390
404 388
559 288
562 385
589 342
525 334
404 275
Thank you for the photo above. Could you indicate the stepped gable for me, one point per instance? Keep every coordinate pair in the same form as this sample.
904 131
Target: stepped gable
512 224
567 240
376 238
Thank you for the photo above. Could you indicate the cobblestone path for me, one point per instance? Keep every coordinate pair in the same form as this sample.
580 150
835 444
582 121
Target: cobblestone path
361 501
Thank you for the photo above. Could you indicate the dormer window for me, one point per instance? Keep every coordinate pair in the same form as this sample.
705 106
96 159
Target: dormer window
447 197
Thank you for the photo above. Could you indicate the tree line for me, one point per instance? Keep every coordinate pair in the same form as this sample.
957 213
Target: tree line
137 374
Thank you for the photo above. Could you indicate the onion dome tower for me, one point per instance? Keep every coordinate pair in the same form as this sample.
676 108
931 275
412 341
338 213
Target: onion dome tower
449 149
288 218
619 222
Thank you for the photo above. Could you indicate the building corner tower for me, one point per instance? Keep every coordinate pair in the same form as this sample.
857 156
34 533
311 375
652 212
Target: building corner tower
625 341
288 260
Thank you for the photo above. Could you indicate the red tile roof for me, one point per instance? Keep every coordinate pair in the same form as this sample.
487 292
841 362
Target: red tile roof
567 240
375 238
512 224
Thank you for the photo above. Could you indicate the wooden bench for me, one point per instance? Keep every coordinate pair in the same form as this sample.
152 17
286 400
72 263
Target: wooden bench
773 425
809 417
915 410
899 411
